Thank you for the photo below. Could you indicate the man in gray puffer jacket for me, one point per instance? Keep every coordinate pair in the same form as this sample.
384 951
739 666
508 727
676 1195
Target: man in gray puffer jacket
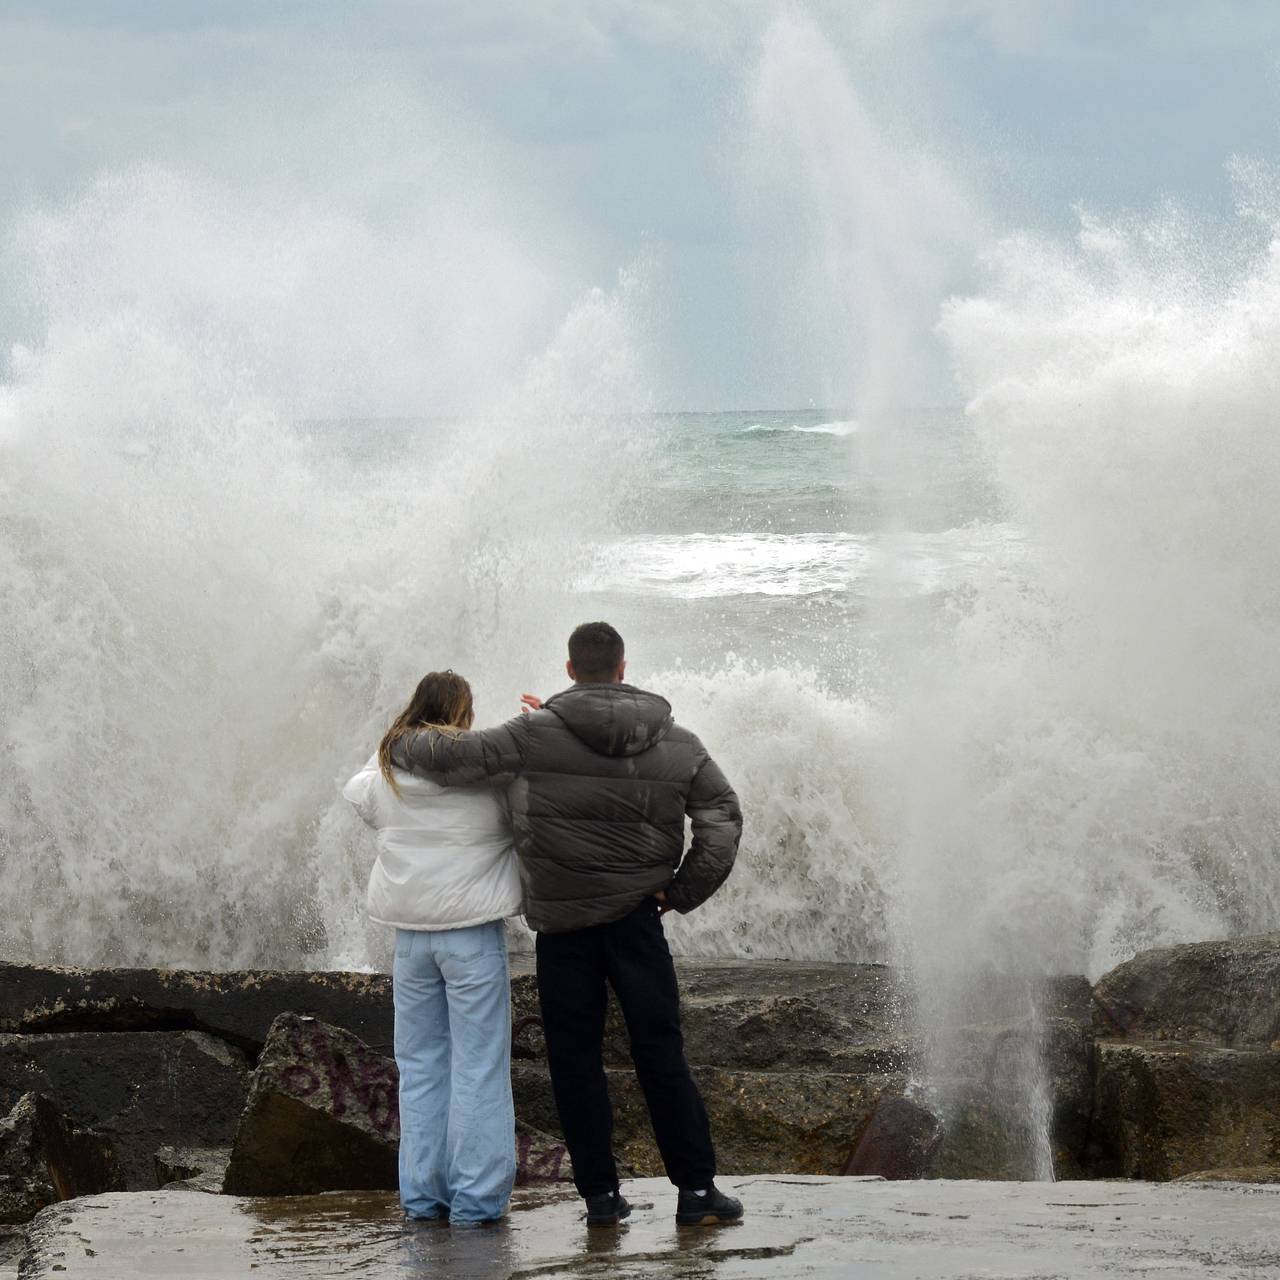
600 781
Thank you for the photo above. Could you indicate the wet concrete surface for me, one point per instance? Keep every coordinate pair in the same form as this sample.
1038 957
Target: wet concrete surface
849 1228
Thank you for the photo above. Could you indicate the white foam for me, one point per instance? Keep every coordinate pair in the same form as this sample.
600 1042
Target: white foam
846 428
830 428
207 624
704 566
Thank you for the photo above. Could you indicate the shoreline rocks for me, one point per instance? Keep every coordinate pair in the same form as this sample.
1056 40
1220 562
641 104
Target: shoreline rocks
1187 1059
192 1168
1169 1109
44 1159
1223 993
322 1115
804 1068
238 1007
143 1089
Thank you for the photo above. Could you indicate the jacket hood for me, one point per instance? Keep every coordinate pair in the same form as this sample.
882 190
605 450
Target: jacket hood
613 719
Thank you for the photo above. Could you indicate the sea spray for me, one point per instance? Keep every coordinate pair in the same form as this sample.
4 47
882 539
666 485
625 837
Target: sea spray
1088 763
816 872
1081 759
208 620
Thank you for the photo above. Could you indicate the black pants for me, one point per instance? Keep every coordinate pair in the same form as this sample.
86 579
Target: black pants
632 956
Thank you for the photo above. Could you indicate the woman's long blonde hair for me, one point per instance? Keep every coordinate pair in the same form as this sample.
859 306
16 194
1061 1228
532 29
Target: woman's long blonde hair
442 701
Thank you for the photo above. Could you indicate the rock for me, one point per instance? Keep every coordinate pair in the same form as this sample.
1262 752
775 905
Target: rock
192 1168
752 1014
836 1038
43 1160
990 1123
540 1158
762 1121
899 1141
140 1089
813 1227
1167 1109
13 1244
988 1136
236 1007
769 1015
1259 1173
322 1115
319 1090
1223 993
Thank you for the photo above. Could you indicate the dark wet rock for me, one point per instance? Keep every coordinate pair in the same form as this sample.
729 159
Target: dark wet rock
898 1141
1258 1173
1224 993
540 1157
1023 1066
193 1168
141 1089
990 1136
1167 1109
762 1121
989 1126
828 1227
13 1244
322 1115
238 1007
834 1038
44 1159
768 1015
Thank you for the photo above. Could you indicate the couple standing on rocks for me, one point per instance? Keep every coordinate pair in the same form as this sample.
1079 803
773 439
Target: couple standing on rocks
571 814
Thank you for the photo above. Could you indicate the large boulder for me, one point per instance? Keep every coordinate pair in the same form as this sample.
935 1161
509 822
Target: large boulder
1010 1089
322 1115
898 1142
1167 1109
766 1015
1223 993
540 1158
793 1058
45 1159
238 1007
762 1121
140 1089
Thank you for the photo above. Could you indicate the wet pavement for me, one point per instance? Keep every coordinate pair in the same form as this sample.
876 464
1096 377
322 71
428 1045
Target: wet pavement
853 1229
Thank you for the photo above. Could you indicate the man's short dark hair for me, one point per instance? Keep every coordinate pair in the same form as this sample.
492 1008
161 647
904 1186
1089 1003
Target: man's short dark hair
596 651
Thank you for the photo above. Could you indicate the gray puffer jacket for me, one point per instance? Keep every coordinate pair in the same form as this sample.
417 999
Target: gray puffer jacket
600 781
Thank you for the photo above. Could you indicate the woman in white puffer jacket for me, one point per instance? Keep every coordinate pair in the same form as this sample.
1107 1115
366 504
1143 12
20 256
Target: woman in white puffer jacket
445 879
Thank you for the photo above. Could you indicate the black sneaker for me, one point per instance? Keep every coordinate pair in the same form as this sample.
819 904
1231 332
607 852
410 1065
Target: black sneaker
693 1210
607 1209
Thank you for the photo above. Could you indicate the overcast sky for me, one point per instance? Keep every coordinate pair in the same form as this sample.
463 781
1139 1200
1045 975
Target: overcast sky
515 154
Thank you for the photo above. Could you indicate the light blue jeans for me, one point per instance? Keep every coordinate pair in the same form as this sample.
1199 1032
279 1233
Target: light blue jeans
453 1048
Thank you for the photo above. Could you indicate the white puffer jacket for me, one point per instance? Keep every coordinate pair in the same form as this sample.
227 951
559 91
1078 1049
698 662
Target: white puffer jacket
445 857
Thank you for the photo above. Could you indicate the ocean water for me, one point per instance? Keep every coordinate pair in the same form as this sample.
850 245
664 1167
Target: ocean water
763 537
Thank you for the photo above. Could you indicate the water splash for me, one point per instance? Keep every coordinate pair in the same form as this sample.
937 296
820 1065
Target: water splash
208 618
1083 763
